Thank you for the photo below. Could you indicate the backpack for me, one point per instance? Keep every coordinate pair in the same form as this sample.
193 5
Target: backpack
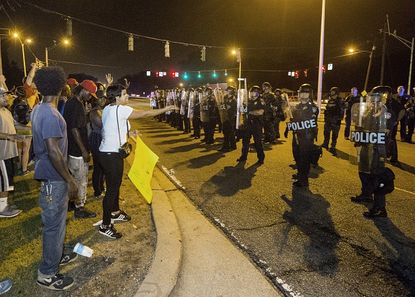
21 112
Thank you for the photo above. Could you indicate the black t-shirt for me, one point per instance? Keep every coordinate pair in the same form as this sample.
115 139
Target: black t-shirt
75 117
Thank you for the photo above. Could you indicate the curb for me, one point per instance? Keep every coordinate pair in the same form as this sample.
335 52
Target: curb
164 271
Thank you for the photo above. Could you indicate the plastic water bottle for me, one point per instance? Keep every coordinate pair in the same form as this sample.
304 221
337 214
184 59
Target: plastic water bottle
83 250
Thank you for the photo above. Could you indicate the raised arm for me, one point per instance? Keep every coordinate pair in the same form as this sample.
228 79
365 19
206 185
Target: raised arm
138 114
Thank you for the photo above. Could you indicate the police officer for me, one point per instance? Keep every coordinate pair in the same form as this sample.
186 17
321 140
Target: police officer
410 118
254 125
403 100
349 101
397 112
377 181
333 116
303 124
280 105
209 126
196 123
228 125
269 114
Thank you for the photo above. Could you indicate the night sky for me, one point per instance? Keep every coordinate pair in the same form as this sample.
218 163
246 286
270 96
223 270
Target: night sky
285 33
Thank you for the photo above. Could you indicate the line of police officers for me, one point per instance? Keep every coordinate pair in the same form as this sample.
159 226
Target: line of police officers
375 117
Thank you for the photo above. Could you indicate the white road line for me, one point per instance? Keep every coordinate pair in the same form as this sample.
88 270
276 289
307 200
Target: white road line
406 191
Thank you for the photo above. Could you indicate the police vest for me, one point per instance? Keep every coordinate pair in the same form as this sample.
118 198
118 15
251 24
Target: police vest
368 137
302 125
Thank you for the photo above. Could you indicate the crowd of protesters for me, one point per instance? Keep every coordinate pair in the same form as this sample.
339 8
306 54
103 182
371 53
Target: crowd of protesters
63 123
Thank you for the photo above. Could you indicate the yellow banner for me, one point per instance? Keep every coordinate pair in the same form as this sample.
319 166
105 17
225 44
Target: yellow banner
141 172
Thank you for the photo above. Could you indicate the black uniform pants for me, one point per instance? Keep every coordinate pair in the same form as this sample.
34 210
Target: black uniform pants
347 128
277 128
392 147
256 133
186 123
209 128
179 119
228 135
333 129
370 186
411 124
302 157
269 130
404 125
196 126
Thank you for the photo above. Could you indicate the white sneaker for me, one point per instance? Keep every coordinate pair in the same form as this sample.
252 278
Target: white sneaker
9 212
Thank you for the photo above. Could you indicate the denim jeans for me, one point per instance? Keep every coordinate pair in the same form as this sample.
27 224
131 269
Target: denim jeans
54 203
79 170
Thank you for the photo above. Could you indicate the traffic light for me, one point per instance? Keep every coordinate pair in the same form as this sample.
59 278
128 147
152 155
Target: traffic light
185 76
167 49
203 54
199 75
130 43
214 74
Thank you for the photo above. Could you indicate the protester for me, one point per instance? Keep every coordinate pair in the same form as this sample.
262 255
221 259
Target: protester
78 148
115 128
66 93
50 144
95 138
8 151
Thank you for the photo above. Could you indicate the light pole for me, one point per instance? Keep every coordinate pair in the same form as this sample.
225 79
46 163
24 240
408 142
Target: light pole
237 53
28 41
321 56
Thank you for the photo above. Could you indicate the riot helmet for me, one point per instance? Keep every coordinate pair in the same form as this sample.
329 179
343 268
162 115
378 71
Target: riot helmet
334 91
380 94
266 87
209 90
254 92
231 90
305 92
278 91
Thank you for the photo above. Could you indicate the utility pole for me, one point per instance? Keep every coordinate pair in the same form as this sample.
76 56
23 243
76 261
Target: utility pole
369 66
410 45
382 69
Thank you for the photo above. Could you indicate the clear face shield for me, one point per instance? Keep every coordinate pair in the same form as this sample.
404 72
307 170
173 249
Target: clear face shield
304 97
253 95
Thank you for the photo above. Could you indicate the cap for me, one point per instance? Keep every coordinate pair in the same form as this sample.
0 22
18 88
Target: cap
90 86
72 82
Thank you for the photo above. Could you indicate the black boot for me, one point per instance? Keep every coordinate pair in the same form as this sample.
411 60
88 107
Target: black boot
376 213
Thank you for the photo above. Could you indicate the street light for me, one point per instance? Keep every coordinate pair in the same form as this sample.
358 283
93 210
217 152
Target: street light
28 41
237 53
353 51
64 41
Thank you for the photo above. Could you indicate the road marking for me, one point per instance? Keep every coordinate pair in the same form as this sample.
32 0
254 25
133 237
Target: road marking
406 191
170 173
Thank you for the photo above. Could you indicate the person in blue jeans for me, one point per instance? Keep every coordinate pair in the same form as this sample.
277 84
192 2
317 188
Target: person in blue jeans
50 145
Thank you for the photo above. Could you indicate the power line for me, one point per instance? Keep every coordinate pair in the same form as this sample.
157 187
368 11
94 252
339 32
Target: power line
84 64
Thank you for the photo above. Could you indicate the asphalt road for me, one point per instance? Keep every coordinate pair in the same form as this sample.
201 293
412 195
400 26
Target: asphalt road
312 243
